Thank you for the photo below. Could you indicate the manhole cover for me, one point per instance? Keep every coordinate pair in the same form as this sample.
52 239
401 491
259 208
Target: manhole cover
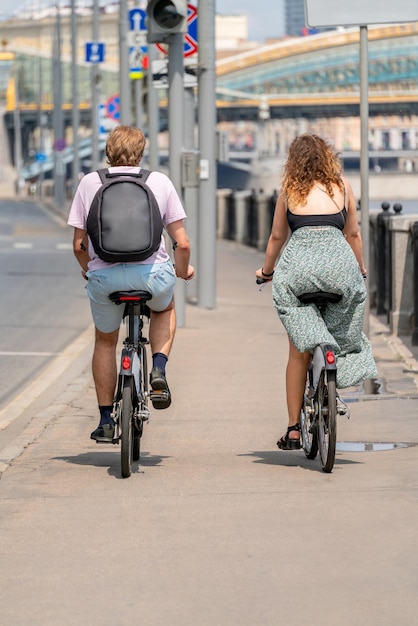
367 446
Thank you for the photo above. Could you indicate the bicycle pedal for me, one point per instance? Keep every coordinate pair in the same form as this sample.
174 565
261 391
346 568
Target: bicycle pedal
342 408
114 441
144 415
159 394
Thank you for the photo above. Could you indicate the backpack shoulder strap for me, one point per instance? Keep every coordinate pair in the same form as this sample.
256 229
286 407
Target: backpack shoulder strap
103 173
144 174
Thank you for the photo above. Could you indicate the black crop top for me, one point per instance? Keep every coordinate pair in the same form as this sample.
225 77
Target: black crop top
328 219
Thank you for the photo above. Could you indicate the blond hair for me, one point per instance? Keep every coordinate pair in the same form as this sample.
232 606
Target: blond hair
125 146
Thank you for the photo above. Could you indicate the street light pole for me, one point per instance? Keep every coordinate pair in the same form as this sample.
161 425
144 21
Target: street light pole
95 93
207 142
75 110
124 81
152 112
176 138
59 166
364 159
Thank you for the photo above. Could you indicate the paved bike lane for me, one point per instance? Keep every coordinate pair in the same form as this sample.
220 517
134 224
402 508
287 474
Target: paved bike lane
217 527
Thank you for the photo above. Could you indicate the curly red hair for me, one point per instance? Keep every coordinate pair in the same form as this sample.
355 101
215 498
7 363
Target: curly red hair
310 159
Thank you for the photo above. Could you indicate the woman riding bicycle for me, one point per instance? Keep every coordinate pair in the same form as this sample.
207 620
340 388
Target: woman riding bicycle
323 253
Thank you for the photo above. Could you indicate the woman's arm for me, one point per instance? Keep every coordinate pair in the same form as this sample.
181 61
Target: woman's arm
277 239
351 228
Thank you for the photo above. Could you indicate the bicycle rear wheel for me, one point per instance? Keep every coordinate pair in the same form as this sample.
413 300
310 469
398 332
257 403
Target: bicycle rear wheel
138 427
136 441
127 426
327 422
308 429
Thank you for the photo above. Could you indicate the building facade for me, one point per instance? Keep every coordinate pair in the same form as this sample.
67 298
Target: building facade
295 17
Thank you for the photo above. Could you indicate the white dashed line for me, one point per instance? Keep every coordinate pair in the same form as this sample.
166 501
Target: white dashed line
64 246
29 353
22 246
35 389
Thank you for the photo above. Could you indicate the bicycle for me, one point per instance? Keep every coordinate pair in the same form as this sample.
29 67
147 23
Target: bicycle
130 405
321 404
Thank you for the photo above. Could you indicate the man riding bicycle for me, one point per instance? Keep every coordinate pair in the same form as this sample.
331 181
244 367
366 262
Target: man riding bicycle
124 150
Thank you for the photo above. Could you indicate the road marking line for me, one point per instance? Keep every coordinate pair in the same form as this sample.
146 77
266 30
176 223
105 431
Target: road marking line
20 403
22 246
64 246
30 353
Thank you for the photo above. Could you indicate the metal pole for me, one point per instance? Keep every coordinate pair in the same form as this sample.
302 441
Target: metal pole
59 166
153 112
17 136
207 141
95 93
138 102
40 124
176 139
75 110
364 159
125 86
191 194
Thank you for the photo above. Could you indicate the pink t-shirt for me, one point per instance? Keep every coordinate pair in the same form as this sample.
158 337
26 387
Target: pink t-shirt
165 193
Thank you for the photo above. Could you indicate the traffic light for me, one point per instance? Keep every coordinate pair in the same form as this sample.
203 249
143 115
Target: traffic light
165 18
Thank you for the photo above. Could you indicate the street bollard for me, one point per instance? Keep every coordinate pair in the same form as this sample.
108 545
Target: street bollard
383 260
263 220
241 212
230 217
414 231
222 198
252 223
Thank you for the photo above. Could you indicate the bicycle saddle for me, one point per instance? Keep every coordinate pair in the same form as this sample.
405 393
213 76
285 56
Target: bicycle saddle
128 296
319 297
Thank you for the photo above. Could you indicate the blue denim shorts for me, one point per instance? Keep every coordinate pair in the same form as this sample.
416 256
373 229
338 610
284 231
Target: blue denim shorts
159 279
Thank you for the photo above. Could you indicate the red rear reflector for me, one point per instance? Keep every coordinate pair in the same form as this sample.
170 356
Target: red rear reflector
126 363
330 357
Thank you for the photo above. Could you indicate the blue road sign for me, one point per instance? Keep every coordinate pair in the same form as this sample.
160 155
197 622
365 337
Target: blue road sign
113 108
95 52
136 61
137 19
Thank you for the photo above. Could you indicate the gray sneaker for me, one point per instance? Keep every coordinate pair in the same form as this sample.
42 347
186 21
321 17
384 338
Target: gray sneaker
104 433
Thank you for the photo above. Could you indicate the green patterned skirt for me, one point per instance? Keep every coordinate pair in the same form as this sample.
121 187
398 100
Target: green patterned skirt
320 259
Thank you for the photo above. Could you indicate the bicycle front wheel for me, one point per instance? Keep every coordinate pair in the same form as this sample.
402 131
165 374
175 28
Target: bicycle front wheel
327 419
127 426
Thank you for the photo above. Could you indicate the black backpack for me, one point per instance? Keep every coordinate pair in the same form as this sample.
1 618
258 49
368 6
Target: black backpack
124 222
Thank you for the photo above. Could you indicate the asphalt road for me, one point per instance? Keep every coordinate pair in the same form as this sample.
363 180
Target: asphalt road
43 307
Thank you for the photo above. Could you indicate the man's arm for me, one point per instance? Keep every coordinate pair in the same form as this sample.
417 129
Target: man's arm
178 234
80 249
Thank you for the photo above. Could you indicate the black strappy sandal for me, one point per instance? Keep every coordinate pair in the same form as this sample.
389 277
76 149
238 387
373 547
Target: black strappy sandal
285 443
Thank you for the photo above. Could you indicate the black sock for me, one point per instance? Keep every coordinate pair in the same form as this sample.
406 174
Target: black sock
105 415
159 359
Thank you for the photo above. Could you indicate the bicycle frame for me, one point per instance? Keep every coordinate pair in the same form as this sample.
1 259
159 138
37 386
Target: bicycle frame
319 408
323 358
130 409
130 363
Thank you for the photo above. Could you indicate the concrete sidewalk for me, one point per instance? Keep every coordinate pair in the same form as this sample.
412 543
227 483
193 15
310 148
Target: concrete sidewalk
217 527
